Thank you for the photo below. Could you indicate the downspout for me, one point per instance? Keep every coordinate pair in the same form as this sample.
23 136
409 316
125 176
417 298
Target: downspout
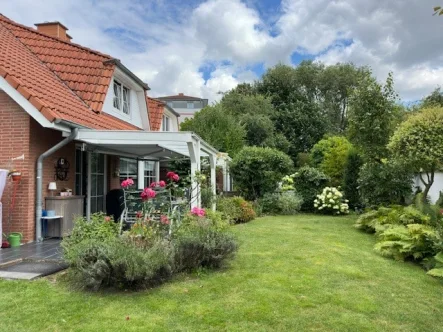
38 194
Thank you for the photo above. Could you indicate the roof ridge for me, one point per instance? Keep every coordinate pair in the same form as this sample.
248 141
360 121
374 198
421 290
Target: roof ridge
3 17
44 64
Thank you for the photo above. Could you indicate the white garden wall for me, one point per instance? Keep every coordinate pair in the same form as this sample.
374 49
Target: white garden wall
436 187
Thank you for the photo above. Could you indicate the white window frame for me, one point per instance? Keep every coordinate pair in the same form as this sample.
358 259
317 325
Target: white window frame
122 98
124 174
166 123
150 176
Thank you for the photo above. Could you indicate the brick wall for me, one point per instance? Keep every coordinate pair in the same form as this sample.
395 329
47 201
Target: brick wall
14 141
20 134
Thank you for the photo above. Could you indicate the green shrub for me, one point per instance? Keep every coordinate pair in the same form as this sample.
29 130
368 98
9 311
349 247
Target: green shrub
207 197
385 183
437 270
330 155
118 263
378 220
309 182
354 162
196 246
413 241
258 170
99 228
236 209
286 203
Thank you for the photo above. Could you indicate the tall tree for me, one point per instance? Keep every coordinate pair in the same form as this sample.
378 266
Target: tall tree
336 83
372 116
218 127
419 142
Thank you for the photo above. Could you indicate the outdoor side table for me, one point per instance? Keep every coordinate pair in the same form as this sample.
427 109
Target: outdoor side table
52 226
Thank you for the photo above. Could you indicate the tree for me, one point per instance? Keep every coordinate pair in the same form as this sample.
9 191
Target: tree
372 116
254 112
257 171
350 178
419 142
335 84
438 10
218 127
330 155
302 124
435 99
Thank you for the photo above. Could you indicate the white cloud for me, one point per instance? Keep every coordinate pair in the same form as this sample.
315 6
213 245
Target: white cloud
166 43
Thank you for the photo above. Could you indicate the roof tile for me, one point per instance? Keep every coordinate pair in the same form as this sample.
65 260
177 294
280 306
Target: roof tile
155 110
40 67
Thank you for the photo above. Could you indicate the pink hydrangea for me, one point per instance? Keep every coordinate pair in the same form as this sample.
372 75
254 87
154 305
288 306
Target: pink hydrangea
147 193
127 183
175 177
169 175
153 184
196 211
162 184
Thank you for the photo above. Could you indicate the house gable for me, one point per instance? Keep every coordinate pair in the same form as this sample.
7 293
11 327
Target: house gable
138 111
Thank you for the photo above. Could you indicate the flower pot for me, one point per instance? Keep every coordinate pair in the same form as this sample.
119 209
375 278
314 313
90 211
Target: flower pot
14 239
16 176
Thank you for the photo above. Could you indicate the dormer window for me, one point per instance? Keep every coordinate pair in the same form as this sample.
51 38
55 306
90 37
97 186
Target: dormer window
121 98
166 123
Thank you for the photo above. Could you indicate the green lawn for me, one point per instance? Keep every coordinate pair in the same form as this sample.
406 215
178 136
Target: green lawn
304 273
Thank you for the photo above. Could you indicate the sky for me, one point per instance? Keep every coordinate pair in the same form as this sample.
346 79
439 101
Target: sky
203 48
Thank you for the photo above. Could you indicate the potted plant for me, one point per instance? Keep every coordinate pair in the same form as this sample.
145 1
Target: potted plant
15 175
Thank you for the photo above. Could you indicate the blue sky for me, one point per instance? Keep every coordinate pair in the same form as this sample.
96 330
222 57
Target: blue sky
204 47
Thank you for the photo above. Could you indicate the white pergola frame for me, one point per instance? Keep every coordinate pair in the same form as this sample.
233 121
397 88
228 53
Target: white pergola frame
159 146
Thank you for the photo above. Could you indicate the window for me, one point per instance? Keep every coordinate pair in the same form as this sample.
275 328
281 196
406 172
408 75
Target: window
150 175
121 98
166 123
190 105
128 169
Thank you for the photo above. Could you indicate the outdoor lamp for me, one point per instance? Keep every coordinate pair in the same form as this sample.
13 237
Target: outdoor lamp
52 186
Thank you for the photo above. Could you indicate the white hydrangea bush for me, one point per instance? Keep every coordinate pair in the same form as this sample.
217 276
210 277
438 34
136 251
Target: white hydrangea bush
331 201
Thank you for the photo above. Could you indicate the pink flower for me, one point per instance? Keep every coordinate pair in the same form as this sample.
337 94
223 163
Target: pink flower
107 219
162 184
170 175
127 183
175 177
164 220
147 193
196 211
153 184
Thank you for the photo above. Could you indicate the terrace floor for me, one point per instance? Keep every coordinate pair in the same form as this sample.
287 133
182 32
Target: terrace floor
48 250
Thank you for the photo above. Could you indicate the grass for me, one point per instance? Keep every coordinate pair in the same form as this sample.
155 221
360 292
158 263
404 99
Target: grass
303 273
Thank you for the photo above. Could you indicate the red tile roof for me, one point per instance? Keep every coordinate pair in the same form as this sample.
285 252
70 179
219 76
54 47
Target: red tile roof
62 80
156 109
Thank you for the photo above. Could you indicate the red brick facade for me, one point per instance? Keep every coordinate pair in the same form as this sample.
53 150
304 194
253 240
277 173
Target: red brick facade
20 134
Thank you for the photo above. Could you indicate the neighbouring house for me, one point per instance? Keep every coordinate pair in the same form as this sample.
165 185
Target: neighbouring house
72 117
184 105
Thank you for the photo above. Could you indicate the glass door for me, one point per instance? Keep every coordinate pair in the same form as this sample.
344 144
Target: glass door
97 183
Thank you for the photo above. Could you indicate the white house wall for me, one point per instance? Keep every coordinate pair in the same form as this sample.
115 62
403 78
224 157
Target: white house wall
139 115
